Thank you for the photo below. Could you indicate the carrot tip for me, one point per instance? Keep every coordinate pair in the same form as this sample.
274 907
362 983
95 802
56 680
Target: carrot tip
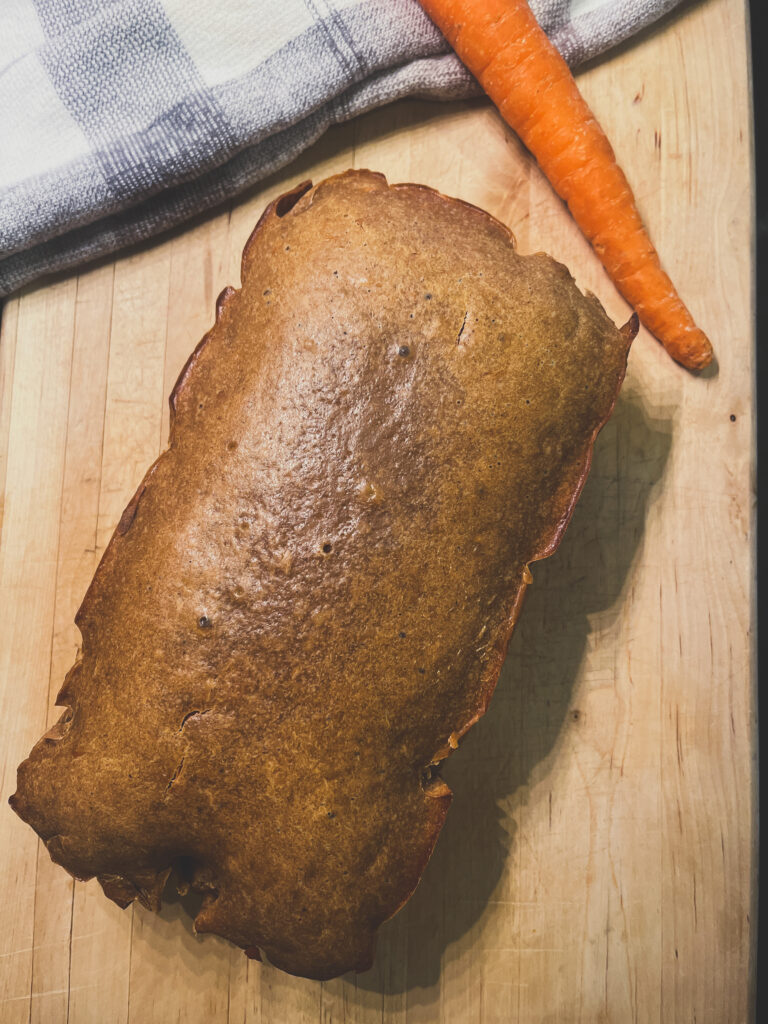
696 354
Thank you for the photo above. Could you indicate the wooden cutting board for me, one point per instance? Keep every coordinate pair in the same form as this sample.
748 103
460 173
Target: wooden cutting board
598 861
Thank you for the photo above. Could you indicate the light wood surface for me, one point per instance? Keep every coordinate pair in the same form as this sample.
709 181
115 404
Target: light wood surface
598 861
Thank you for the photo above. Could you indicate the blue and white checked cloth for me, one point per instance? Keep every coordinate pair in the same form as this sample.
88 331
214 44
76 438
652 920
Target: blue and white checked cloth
121 118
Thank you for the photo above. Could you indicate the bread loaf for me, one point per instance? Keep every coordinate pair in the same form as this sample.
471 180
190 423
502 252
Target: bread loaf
307 602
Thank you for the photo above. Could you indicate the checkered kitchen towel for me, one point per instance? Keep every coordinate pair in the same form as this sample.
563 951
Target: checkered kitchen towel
120 118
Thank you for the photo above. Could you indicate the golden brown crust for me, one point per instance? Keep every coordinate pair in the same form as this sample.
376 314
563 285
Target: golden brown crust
308 600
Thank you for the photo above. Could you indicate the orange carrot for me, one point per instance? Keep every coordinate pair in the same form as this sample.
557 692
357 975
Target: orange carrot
504 47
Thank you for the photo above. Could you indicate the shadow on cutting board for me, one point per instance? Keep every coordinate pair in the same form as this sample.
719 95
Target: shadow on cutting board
583 581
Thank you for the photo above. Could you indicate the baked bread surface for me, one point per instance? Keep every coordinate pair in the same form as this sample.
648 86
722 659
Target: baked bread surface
308 601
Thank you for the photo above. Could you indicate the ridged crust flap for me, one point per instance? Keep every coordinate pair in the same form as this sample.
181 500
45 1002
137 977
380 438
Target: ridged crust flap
307 602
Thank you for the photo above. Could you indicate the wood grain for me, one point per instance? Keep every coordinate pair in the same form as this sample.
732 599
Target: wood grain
598 863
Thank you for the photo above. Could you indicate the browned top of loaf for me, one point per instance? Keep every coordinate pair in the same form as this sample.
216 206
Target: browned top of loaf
308 601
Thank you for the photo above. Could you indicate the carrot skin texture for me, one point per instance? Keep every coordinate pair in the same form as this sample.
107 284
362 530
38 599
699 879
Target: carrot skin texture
504 47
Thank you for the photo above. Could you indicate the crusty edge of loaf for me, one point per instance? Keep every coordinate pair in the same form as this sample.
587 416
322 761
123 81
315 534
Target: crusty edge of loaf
120 890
